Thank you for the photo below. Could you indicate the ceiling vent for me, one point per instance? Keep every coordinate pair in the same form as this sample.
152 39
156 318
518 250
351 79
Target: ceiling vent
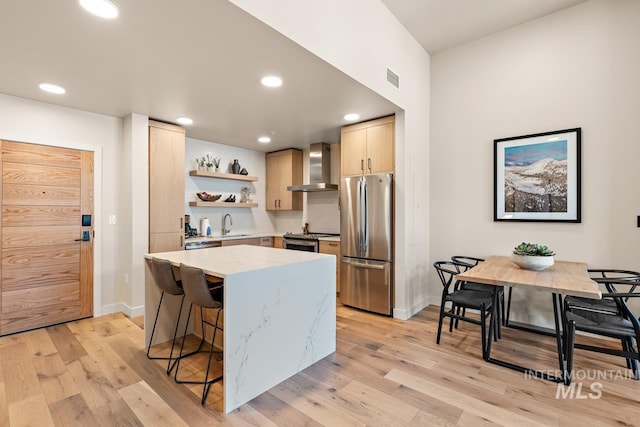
393 78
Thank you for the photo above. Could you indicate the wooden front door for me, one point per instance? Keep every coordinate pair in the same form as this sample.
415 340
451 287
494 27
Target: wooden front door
46 272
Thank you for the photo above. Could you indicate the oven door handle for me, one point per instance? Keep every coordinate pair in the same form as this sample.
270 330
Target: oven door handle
299 242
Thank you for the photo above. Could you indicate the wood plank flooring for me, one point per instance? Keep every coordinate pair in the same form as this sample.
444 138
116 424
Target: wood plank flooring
386 372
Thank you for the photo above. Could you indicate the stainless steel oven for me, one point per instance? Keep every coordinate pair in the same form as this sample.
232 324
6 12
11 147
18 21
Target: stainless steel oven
304 242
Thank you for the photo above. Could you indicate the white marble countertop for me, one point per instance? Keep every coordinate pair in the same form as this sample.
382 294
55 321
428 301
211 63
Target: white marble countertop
227 260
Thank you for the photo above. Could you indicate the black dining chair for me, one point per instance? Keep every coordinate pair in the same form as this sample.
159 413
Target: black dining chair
621 324
202 295
604 276
461 298
466 262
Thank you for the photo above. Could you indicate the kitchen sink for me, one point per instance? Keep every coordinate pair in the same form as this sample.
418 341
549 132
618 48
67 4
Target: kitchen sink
234 235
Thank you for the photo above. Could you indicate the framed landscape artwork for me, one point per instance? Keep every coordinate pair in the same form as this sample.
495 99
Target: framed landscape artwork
537 177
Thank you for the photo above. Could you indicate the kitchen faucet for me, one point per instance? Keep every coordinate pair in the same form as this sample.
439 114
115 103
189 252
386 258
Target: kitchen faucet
226 230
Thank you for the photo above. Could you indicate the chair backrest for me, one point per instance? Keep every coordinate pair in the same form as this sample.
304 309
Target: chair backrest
447 271
621 298
162 272
466 262
614 276
195 287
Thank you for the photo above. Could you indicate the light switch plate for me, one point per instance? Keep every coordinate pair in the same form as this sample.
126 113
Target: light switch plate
112 219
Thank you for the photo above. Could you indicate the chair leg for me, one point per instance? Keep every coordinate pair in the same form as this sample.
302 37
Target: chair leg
207 383
440 319
153 330
454 310
483 328
175 334
175 377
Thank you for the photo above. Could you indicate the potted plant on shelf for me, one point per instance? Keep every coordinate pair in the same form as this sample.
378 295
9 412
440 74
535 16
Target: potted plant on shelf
213 163
532 256
201 162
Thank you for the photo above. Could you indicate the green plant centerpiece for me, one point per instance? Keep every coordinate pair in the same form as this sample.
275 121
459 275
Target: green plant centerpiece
532 256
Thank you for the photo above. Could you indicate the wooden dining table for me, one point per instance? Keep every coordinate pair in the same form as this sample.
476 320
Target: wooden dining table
563 278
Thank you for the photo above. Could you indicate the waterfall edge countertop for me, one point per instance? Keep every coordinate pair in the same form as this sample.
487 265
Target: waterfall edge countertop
279 313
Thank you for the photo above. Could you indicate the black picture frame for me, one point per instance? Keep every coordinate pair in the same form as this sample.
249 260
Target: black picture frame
537 177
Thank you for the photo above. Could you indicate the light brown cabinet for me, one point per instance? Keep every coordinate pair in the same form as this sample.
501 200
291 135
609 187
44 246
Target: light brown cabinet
283 168
278 242
166 187
332 248
368 147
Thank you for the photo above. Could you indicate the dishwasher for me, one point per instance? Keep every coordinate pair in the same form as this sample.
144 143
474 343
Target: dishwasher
190 246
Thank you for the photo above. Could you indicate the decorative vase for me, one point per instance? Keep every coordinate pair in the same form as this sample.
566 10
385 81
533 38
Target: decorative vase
235 167
532 262
217 169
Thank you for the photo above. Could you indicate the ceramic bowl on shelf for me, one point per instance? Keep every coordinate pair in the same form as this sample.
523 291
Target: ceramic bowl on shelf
208 197
532 262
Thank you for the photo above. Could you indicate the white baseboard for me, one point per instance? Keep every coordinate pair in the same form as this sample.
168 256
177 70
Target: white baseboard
403 314
128 311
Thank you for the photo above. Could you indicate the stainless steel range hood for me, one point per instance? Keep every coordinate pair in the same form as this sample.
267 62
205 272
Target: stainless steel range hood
319 170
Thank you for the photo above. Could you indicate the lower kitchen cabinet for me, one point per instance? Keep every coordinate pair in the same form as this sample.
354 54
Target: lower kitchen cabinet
332 248
278 242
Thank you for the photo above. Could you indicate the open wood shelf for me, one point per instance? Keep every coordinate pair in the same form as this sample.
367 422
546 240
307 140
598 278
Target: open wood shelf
223 204
221 175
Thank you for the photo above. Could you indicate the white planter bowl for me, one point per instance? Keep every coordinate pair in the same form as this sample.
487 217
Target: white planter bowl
531 262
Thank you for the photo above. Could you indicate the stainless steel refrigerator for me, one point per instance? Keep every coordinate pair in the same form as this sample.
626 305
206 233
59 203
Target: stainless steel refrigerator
366 242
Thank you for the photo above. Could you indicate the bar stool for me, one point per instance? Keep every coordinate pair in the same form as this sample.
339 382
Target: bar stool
200 294
162 272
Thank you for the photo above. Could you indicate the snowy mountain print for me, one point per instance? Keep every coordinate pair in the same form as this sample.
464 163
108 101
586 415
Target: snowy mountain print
537 187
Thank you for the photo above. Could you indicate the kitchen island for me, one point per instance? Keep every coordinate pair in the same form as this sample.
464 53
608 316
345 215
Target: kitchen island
279 313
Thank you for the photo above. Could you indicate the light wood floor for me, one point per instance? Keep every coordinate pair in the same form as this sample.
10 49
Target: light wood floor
386 372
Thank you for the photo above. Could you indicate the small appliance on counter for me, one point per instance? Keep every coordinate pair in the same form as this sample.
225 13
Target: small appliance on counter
188 230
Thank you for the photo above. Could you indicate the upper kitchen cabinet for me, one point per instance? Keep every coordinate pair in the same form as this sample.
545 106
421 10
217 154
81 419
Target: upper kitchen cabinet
283 168
166 187
368 147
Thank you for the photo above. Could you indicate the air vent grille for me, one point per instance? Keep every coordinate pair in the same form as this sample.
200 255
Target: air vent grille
393 78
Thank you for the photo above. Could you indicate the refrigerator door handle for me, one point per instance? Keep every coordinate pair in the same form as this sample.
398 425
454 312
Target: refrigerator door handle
363 265
366 218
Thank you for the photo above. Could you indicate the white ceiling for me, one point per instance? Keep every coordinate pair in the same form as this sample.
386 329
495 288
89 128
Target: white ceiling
442 24
204 60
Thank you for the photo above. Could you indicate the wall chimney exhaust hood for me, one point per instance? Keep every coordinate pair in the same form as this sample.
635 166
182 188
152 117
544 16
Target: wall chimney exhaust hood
319 170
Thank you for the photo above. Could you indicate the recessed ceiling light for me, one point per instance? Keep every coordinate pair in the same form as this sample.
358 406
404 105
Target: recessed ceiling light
271 81
102 8
184 120
51 88
351 117
264 139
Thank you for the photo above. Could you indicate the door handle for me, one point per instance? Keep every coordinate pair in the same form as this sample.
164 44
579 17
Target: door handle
85 237
369 164
181 223
362 165
363 265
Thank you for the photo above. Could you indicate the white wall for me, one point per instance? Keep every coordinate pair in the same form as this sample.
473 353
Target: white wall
35 122
245 220
575 68
362 38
